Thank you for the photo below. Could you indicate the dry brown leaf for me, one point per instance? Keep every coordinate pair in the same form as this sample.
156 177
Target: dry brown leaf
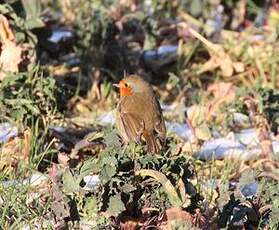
176 217
11 53
189 147
59 208
218 57
6 33
226 64
63 159
223 92
68 10
202 132
260 122
15 151
129 225
198 117
238 67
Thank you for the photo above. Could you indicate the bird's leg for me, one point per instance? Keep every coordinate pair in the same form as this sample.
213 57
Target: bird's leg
139 133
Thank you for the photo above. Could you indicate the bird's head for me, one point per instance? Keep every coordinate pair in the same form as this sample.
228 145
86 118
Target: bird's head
131 85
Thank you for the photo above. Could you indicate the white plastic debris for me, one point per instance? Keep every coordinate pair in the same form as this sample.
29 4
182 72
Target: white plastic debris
180 129
224 148
240 119
58 129
219 148
91 182
247 137
59 35
35 180
249 190
275 146
107 118
7 131
161 52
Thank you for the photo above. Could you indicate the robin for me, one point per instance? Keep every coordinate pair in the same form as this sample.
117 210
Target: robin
139 115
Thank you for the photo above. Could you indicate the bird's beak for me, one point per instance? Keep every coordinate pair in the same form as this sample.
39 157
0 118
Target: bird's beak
116 85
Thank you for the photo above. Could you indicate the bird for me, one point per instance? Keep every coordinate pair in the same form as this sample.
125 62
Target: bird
139 115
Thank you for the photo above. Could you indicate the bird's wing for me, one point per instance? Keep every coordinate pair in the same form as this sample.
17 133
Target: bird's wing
159 125
131 127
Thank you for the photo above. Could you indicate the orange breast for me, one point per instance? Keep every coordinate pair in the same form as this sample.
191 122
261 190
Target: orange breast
125 91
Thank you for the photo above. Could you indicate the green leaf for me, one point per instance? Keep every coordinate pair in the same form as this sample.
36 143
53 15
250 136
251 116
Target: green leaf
169 189
115 205
70 183
94 136
88 167
112 161
11 79
33 10
33 109
107 172
91 207
127 188
196 7
112 139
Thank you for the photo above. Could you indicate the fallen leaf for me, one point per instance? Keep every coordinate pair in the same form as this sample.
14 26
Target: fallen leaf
198 117
178 213
223 92
129 225
170 190
238 67
60 207
6 33
11 53
218 57
14 152
202 132
63 159
176 218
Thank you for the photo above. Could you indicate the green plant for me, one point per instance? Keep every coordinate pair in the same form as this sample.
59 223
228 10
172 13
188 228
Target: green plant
27 96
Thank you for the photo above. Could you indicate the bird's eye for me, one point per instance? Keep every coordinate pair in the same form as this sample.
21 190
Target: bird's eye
126 85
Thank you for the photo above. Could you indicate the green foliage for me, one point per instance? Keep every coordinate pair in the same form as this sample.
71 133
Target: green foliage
32 10
24 13
94 31
125 180
268 191
121 187
25 97
269 104
115 205
16 208
170 9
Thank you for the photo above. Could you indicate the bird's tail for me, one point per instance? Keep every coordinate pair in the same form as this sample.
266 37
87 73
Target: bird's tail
152 145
